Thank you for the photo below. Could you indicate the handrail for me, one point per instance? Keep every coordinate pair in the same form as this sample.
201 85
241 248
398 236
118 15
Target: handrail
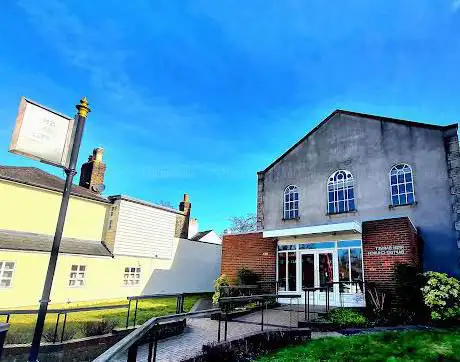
257 297
154 296
63 310
131 339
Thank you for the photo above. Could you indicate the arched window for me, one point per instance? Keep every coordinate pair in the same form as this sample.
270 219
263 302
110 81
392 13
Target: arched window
291 202
401 185
340 192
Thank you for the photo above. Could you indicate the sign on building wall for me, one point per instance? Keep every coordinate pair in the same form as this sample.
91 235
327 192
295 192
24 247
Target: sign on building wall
388 250
42 134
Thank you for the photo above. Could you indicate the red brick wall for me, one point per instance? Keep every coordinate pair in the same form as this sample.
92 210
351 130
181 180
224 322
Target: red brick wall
380 269
251 251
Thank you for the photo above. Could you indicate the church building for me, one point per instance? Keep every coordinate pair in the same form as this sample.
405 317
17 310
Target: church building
351 200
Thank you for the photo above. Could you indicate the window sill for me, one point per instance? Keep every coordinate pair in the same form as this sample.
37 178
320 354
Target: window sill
413 204
291 218
341 213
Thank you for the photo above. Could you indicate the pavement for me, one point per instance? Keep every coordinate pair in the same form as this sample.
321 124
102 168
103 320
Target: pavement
200 331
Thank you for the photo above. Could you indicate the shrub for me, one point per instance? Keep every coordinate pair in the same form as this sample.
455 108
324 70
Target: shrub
48 334
247 277
222 281
97 328
344 317
441 295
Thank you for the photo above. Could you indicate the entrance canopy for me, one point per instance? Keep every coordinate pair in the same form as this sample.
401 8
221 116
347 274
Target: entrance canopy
344 227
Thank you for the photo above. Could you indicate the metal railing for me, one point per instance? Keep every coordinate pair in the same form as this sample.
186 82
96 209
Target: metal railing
60 312
146 333
263 299
311 308
179 304
63 312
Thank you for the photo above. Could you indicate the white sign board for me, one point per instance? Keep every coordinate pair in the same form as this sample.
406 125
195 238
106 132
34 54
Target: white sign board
42 134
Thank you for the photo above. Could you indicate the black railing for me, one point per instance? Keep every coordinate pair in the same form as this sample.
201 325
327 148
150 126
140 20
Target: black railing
145 334
179 304
262 299
310 305
60 312
63 312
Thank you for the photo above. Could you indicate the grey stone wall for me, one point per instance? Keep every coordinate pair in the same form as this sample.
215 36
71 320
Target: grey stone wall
368 148
453 172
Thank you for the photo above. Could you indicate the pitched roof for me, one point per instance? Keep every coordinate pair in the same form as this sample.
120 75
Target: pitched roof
200 235
362 115
33 176
18 240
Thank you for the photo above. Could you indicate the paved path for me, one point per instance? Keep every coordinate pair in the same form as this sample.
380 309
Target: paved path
200 331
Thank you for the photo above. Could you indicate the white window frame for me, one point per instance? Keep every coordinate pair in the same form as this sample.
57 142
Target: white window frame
77 277
348 248
131 275
336 186
3 269
287 209
405 183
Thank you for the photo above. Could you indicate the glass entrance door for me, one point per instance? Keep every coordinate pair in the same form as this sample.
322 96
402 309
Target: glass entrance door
317 270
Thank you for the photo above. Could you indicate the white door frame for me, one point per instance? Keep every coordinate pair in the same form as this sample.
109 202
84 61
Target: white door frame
320 297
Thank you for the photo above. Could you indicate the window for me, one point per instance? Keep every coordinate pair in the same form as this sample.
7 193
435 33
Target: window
340 191
401 185
77 275
132 276
291 202
6 273
287 271
350 266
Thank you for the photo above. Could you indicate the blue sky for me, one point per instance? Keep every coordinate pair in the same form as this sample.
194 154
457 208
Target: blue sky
197 96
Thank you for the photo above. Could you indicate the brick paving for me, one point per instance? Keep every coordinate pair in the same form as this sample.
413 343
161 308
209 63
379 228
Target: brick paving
200 331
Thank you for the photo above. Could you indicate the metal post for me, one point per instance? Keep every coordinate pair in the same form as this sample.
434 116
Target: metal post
218 331
225 328
82 113
155 347
135 313
132 353
8 318
63 327
305 304
127 315
262 318
56 327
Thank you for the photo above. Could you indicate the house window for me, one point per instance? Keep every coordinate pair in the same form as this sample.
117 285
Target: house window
291 202
77 275
340 191
6 273
132 276
401 185
287 271
350 266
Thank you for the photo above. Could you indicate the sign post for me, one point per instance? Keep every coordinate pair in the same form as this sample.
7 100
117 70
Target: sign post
82 112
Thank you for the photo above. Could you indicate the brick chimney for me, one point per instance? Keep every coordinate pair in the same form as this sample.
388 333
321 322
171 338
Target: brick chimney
93 171
185 206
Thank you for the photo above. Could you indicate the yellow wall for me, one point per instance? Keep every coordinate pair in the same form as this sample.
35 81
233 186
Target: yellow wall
104 278
29 209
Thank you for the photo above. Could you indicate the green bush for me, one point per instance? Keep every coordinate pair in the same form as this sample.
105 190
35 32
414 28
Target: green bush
97 328
48 334
222 281
441 295
344 317
247 277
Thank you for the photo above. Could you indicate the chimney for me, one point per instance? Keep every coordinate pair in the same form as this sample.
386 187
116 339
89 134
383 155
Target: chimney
185 206
192 228
93 171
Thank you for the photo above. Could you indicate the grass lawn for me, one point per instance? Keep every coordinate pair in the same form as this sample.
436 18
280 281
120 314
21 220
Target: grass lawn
388 346
22 326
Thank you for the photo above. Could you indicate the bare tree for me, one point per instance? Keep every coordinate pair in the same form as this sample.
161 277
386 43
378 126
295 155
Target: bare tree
242 224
